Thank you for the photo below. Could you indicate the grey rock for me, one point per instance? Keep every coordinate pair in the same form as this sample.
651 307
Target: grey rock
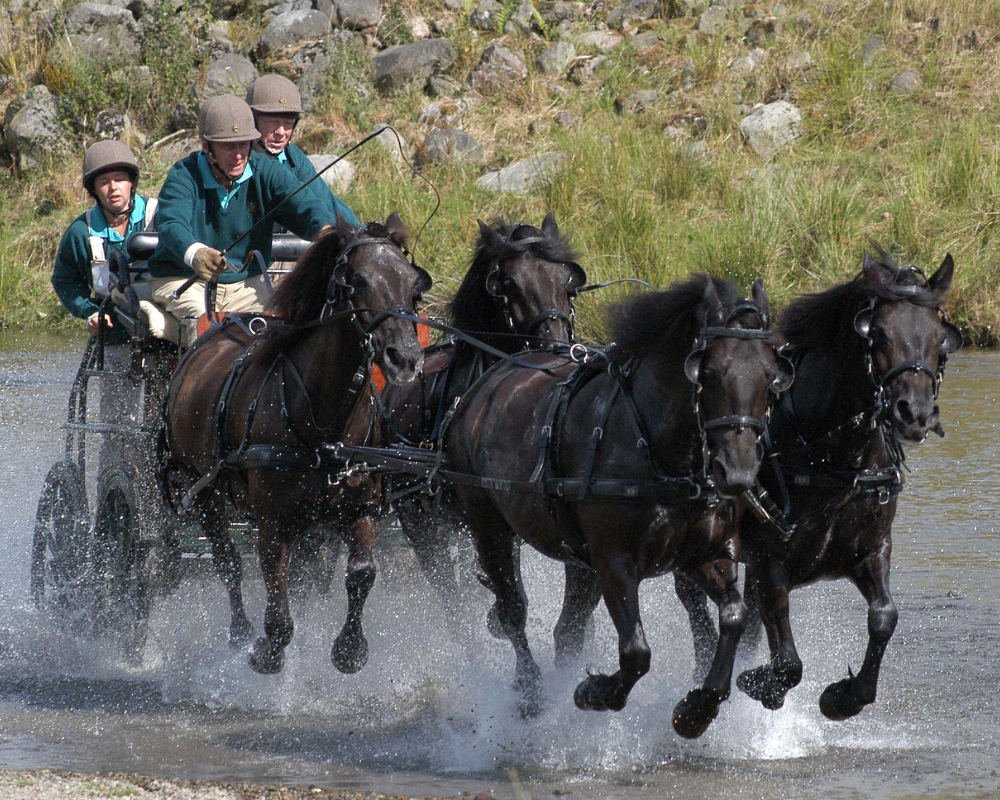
88 16
805 22
685 8
645 40
637 102
32 133
484 16
443 86
497 68
872 47
219 41
111 124
450 144
796 62
975 38
110 44
391 141
712 20
521 20
585 68
409 64
907 82
174 150
339 177
603 41
748 63
287 7
443 112
555 12
568 119
695 150
771 127
231 73
762 30
556 59
454 5
632 11
523 177
357 14
293 27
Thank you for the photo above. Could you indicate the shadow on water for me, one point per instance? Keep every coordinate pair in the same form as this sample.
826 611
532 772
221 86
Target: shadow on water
433 715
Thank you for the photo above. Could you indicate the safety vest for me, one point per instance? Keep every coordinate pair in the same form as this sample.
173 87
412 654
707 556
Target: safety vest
99 271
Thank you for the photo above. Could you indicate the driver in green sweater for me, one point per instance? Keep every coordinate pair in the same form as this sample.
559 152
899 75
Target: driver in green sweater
211 198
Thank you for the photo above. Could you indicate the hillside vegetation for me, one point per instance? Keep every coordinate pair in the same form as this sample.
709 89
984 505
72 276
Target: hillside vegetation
655 193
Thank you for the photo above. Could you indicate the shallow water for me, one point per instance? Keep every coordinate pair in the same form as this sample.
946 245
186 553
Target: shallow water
432 715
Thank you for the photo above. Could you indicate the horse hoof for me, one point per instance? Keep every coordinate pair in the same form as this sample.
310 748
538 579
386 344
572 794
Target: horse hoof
838 703
264 660
695 713
493 624
530 703
759 684
596 693
349 654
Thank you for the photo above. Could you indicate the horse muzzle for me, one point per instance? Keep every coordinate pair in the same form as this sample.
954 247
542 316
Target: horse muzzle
402 363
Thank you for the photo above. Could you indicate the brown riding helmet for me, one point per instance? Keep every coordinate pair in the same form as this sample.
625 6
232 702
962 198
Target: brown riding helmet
274 94
226 118
105 156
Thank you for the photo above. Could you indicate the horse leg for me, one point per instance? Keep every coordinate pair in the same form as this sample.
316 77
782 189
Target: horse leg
229 567
695 713
429 540
583 593
309 567
350 649
495 547
847 697
769 683
619 583
750 640
706 639
268 654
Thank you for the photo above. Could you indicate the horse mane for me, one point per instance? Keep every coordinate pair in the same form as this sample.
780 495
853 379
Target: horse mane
666 323
825 320
300 296
473 308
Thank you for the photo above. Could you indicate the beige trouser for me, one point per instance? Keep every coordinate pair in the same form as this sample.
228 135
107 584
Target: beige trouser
248 295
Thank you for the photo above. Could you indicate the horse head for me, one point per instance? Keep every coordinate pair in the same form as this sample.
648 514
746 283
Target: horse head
522 281
907 340
736 369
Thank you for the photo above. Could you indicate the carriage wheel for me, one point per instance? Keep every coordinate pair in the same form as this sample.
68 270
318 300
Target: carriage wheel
59 551
120 576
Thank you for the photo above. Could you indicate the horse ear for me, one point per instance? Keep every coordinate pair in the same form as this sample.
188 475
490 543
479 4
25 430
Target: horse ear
760 299
710 309
490 237
397 230
875 271
940 281
549 227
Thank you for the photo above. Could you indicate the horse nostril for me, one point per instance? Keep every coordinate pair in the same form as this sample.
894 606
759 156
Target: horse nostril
904 411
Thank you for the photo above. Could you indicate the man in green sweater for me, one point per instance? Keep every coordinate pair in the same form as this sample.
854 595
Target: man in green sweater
212 198
81 276
277 108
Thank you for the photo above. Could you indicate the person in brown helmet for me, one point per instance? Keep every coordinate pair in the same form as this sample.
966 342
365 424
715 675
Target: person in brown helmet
80 276
213 197
277 107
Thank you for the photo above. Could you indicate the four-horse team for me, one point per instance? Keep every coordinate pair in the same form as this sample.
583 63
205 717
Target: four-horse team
703 436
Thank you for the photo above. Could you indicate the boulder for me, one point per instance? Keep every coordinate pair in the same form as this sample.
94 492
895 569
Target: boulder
111 124
88 16
231 73
796 62
32 131
603 41
906 82
763 30
521 20
100 32
485 15
339 177
583 69
357 14
389 142
554 12
449 144
712 20
769 128
409 64
637 102
293 27
872 47
497 68
632 11
556 59
525 176
748 63
645 40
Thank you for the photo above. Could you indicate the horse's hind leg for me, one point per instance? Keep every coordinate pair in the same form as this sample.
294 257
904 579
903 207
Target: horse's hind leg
429 539
583 593
695 713
769 683
350 649
847 697
228 565
495 547
619 582
268 654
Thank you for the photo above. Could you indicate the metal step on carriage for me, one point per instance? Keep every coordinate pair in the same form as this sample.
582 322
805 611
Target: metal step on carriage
105 544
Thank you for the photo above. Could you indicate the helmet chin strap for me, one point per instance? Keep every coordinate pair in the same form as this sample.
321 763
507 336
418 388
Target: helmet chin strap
116 215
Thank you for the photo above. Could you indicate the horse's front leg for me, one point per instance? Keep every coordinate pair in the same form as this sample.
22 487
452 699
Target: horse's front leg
228 565
619 581
706 638
583 593
268 654
350 649
769 683
428 537
695 713
847 697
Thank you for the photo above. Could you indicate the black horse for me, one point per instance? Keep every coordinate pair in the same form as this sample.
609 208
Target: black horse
622 464
869 356
517 294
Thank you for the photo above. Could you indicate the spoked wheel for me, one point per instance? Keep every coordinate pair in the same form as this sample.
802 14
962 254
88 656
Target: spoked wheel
120 576
59 551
